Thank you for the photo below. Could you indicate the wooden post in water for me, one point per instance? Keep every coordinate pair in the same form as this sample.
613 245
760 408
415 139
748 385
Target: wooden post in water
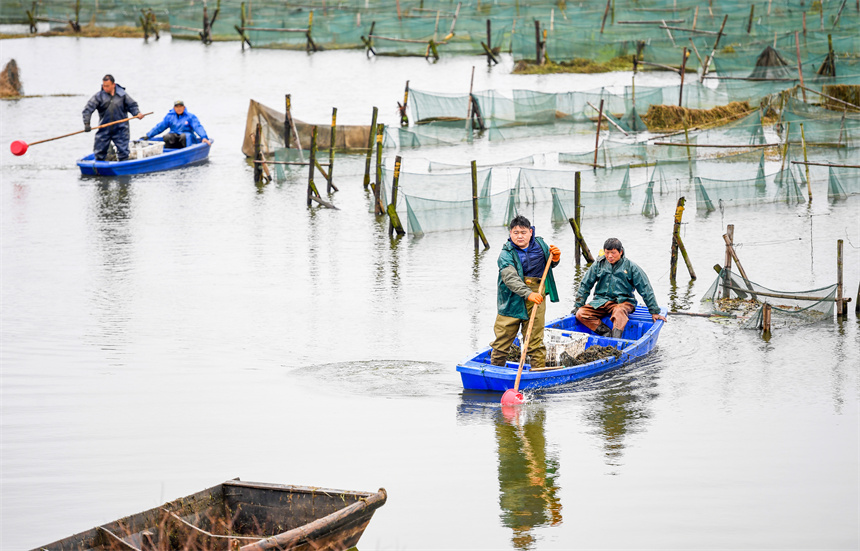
577 195
312 189
377 189
765 318
597 136
805 160
538 60
785 147
729 238
258 155
840 306
580 242
677 244
476 225
394 220
329 177
404 116
288 122
371 136
752 15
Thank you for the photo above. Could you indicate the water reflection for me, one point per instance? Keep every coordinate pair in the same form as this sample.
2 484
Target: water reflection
528 474
112 206
529 494
679 301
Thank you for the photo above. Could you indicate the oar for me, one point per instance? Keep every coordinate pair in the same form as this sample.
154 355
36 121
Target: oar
19 147
513 396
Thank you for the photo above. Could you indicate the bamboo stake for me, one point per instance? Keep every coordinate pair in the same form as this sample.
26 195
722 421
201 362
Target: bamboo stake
714 50
765 318
806 159
735 286
731 253
677 245
577 194
799 66
752 13
476 225
377 189
329 176
823 164
258 168
580 241
605 14
684 56
394 220
729 239
840 305
597 136
371 136
785 148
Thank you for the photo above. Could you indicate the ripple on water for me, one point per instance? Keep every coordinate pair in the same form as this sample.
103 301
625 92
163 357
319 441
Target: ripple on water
387 378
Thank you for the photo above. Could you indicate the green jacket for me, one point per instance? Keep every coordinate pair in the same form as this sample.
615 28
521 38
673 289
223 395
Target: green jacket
616 282
509 303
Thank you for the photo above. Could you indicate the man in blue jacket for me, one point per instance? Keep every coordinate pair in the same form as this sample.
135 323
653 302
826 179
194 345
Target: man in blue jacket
112 103
615 278
184 128
521 265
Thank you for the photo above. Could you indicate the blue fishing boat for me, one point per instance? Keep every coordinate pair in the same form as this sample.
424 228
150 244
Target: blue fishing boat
167 159
639 338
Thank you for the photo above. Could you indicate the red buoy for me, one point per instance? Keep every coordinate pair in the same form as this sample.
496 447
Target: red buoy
18 147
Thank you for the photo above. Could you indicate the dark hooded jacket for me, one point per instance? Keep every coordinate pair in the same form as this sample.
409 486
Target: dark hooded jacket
110 107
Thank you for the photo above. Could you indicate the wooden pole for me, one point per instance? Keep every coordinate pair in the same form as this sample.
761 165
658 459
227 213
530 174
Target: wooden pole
288 121
577 195
605 14
804 24
469 106
799 66
476 225
731 253
377 189
684 56
714 50
597 136
805 160
677 245
857 306
371 136
840 306
258 154
490 58
404 116
394 220
312 189
538 60
329 176
580 242
729 238
785 147
752 14
765 318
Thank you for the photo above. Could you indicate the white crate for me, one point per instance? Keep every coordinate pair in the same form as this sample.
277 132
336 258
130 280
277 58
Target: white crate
142 149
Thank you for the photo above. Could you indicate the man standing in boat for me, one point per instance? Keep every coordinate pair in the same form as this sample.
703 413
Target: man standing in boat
184 128
112 103
521 265
616 278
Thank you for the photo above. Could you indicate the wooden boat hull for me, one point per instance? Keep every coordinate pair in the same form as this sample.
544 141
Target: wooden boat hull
170 159
244 516
639 338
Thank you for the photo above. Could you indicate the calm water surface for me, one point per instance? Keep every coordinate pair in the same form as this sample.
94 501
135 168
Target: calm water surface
164 333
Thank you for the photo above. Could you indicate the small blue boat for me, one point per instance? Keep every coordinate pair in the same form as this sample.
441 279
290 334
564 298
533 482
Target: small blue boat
169 159
639 338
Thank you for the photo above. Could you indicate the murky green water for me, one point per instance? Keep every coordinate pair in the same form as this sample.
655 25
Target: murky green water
164 333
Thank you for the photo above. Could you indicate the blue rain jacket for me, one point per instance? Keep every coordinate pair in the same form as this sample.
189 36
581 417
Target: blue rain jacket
110 107
186 123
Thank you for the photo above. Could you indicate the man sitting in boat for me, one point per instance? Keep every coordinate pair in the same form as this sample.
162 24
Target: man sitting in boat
521 265
112 103
184 127
616 277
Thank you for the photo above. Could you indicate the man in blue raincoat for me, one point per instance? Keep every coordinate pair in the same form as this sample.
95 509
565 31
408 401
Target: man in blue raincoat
521 265
184 128
112 103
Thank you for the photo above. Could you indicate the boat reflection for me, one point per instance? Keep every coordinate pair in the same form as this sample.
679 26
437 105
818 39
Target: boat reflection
529 494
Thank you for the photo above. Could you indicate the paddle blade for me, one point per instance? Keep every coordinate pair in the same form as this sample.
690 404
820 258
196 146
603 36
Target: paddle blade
511 398
18 147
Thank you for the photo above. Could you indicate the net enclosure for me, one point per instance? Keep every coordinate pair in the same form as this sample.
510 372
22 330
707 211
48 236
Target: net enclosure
733 295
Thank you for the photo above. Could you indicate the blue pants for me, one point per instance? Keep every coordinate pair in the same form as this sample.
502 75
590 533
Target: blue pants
118 134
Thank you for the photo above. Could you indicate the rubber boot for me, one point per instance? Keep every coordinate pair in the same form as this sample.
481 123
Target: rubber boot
616 333
603 330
